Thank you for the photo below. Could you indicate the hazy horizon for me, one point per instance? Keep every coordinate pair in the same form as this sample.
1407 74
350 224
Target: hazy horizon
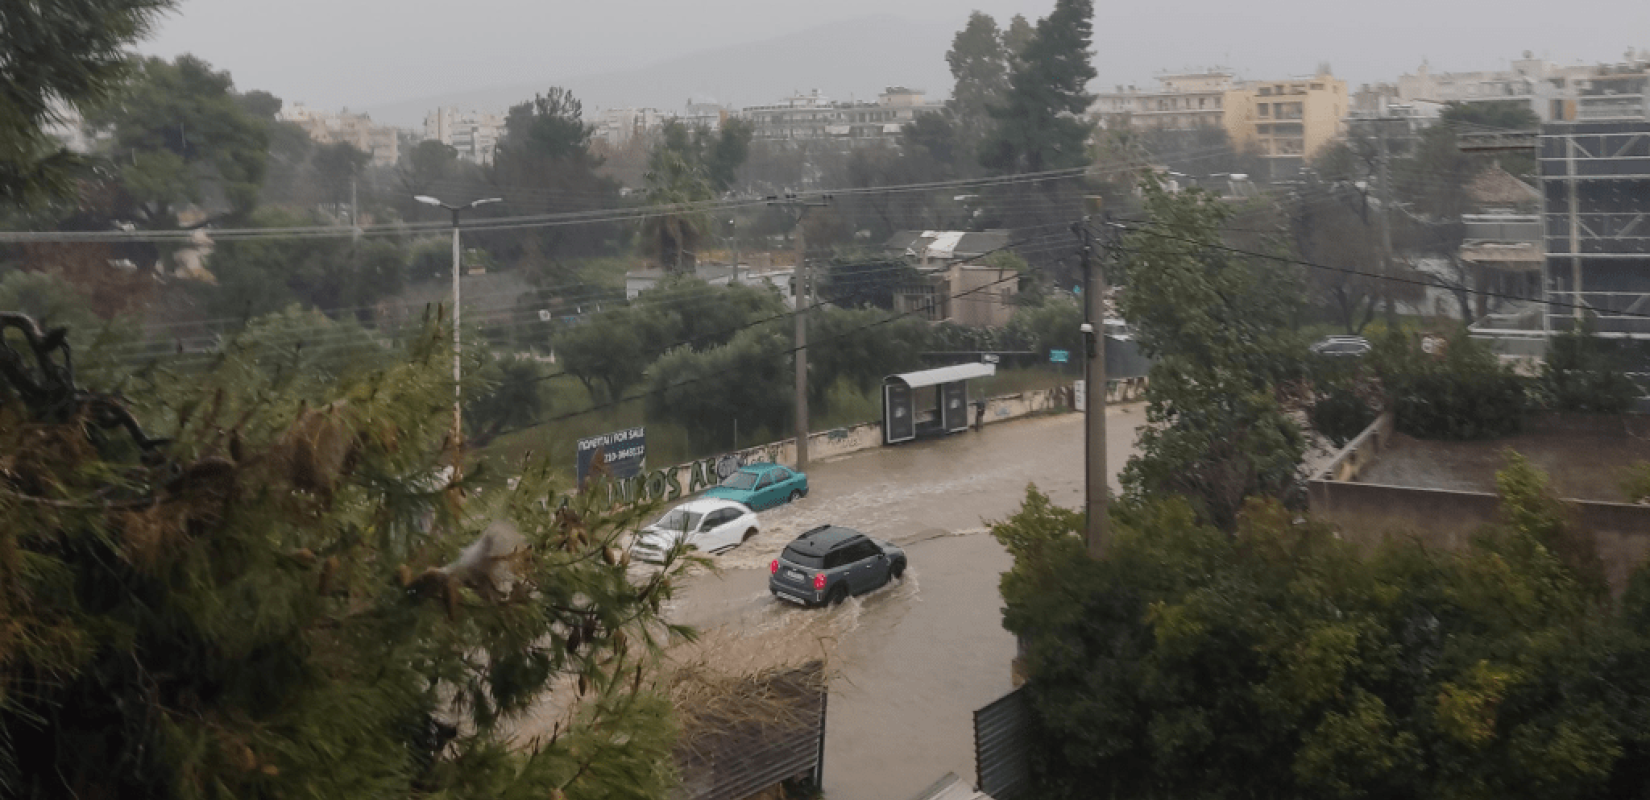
380 55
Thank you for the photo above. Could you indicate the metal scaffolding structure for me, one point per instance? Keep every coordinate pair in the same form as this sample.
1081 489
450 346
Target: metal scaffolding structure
1595 183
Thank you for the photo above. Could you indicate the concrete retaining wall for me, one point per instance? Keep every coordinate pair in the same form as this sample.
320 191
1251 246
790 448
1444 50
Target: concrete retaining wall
1370 512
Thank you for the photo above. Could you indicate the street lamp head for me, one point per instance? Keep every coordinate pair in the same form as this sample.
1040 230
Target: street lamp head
485 201
426 200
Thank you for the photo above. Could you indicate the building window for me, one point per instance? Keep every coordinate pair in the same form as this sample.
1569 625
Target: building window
1265 91
1265 109
1317 87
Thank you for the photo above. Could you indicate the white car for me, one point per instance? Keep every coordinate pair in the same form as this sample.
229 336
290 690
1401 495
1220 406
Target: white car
708 526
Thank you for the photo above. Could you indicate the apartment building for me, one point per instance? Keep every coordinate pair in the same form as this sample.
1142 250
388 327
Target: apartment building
473 134
813 116
381 142
617 126
1186 101
1553 92
1286 122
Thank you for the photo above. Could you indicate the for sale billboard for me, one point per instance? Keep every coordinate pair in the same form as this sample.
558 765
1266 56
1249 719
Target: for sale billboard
622 452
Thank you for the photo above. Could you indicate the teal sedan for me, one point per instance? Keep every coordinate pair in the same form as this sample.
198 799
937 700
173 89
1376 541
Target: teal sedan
762 486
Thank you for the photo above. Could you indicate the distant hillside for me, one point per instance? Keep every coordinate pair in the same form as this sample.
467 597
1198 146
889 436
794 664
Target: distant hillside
857 59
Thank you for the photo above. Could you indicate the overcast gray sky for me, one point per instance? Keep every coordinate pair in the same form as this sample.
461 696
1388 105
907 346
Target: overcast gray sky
364 53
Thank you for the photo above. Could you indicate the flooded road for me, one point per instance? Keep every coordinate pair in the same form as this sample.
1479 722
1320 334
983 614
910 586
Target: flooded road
911 661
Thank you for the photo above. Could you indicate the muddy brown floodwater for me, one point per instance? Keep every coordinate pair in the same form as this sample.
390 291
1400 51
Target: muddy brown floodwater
911 661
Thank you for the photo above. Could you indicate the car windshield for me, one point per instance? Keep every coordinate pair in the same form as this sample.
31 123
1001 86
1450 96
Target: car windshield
679 520
740 480
802 559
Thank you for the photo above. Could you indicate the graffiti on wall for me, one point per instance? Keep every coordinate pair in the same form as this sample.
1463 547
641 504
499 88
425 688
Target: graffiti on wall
673 483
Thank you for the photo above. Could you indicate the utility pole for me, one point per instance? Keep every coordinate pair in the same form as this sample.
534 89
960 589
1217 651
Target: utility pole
804 301
354 212
1384 220
733 233
1094 396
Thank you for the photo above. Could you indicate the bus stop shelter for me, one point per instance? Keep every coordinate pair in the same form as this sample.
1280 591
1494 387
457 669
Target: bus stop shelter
932 402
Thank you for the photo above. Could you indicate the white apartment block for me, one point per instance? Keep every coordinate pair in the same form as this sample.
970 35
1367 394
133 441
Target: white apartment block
473 134
1555 93
617 126
1186 101
815 116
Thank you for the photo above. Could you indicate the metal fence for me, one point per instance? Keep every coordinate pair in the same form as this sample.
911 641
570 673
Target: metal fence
1002 746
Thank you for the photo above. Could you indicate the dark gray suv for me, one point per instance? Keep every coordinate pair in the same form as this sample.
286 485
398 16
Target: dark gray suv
826 564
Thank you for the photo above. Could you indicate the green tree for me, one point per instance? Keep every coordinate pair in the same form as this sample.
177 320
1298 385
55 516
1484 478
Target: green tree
1332 226
258 275
859 347
608 350
544 165
58 56
179 136
679 187
1016 38
710 392
281 597
512 397
1054 325
1041 123
613 348
289 177
427 164
1281 661
339 165
1217 324
688 167
979 62
727 151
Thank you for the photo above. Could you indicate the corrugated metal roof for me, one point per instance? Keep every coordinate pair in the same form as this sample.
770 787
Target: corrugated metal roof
718 759
947 245
939 375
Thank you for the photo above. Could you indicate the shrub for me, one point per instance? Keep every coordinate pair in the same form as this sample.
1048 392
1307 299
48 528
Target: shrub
1340 415
1585 372
1464 394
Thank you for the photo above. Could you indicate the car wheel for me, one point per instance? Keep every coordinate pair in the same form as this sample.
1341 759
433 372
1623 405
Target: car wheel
795 496
837 595
897 571
749 535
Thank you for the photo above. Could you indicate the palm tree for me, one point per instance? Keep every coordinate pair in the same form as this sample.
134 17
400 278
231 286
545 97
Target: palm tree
677 187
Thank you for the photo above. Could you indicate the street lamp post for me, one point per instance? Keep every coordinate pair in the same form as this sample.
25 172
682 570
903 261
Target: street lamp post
458 346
